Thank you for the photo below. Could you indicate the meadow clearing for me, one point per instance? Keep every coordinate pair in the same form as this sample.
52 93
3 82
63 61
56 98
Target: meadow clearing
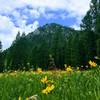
68 84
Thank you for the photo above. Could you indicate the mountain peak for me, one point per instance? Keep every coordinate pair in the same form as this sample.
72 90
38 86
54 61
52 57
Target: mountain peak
51 28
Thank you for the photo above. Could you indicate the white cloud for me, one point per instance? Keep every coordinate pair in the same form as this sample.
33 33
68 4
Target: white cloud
77 23
8 30
10 5
76 27
35 13
72 8
29 28
78 7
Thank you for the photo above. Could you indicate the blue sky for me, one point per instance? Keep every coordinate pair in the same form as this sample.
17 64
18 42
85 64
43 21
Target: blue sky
27 15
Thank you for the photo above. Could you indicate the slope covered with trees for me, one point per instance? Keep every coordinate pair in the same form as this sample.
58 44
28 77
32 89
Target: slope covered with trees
34 50
53 45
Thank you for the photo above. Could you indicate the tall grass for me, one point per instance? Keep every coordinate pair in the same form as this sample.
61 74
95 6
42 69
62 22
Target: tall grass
83 85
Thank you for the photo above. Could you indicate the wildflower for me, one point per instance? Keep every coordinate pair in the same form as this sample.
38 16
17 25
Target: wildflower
48 89
82 66
44 80
19 98
78 68
39 70
86 66
96 57
92 63
27 98
34 97
65 65
69 69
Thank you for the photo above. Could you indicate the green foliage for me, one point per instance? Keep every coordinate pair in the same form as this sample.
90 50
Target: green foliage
1 58
75 51
75 86
36 47
98 48
87 22
18 54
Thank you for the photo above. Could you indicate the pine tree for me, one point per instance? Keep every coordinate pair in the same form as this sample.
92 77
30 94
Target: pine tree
0 46
98 26
90 26
87 22
58 49
91 21
1 59
68 51
75 51
18 36
51 65
19 53
95 12
98 49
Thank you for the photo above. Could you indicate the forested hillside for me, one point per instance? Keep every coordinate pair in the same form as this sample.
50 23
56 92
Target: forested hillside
52 45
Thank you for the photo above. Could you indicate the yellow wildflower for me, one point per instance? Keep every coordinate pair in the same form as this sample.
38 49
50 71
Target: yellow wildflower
78 68
44 80
27 98
45 91
69 69
92 63
19 98
39 70
48 89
